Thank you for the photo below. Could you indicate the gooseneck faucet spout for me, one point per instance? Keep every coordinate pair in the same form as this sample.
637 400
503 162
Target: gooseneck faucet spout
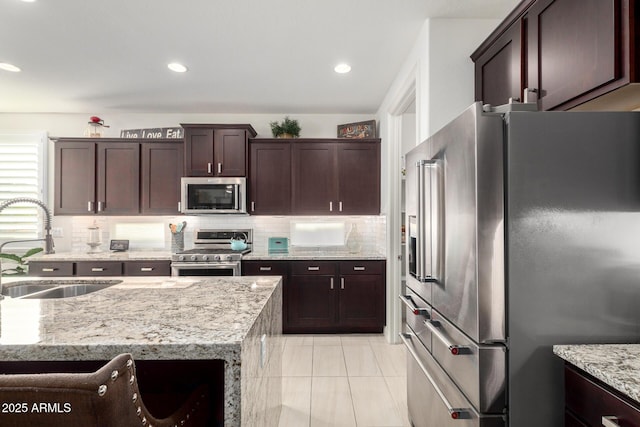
48 239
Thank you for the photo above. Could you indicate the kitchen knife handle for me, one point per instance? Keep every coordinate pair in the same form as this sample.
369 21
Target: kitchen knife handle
219 168
455 413
408 301
454 349
208 167
610 421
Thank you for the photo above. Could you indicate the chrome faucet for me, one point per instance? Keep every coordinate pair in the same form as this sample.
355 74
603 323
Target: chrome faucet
48 239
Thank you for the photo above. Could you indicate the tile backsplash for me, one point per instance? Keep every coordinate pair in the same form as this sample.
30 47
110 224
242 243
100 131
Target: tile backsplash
152 233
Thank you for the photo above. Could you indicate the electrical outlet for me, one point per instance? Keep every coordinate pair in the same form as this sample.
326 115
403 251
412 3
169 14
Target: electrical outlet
57 232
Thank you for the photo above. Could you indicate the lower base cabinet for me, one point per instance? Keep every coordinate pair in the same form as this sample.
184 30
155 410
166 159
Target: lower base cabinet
328 296
99 268
591 403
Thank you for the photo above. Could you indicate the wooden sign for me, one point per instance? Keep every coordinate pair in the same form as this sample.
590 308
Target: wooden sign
358 130
153 133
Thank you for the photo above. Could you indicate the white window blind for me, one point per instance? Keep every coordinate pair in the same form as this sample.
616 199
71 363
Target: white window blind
22 174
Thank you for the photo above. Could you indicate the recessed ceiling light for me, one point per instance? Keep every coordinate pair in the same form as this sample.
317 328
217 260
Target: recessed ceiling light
9 67
342 68
177 67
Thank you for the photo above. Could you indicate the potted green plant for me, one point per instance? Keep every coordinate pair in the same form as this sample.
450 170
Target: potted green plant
287 128
21 268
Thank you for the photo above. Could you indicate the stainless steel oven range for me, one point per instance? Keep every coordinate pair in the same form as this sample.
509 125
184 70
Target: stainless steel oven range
211 254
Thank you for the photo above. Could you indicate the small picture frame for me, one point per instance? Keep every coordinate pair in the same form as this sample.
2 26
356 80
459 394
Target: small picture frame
119 245
358 130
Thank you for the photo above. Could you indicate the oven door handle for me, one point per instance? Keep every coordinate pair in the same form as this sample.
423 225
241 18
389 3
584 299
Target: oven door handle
204 265
455 413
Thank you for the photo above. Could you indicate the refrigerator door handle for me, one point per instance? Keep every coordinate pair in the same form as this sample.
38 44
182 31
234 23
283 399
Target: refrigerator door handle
428 227
456 413
454 349
408 301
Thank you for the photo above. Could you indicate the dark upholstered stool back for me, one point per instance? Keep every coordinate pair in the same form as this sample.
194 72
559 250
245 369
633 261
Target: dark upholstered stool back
108 397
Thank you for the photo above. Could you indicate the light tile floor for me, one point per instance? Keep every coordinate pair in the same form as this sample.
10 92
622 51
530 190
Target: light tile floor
343 380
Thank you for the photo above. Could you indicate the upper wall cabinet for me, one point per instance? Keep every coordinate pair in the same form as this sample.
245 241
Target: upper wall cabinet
335 177
216 150
269 177
568 53
115 176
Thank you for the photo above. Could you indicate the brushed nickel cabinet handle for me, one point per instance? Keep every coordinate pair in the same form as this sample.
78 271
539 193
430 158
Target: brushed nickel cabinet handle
146 268
342 283
265 268
219 167
89 206
356 268
179 206
332 283
97 269
313 268
100 206
253 206
610 421
208 167
49 270
330 206
340 206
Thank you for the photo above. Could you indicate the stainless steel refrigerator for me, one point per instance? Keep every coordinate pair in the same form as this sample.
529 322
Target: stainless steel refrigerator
523 231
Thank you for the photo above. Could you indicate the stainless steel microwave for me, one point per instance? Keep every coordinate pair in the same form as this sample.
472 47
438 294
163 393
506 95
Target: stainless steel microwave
210 195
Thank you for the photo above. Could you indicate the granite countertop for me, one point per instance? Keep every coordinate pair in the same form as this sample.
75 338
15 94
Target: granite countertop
617 365
105 256
150 317
293 255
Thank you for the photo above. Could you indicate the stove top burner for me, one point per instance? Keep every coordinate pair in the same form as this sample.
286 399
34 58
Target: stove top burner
214 246
206 251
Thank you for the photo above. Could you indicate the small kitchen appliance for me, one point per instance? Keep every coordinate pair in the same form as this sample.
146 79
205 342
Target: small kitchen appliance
278 245
212 255
213 195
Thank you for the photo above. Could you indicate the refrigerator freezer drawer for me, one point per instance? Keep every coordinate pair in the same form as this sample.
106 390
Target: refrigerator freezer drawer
478 370
433 400
417 311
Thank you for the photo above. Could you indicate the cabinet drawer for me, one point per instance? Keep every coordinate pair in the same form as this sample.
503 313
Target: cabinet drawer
38 268
264 268
311 267
147 268
362 267
591 401
101 268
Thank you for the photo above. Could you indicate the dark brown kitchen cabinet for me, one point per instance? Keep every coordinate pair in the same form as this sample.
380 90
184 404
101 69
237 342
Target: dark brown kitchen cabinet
591 403
100 268
272 268
335 177
269 177
571 53
216 150
117 176
336 296
162 166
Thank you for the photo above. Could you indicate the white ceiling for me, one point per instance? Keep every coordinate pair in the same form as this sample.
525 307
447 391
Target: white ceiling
244 56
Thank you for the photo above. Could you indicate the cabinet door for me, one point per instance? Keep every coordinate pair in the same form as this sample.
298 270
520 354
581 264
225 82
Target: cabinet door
75 178
230 152
498 71
272 268
359 178
269 178
118 180
573 47
198 148
314 178
161 172
311 303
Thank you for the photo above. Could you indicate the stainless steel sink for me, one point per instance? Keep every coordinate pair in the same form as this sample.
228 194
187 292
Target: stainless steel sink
58 289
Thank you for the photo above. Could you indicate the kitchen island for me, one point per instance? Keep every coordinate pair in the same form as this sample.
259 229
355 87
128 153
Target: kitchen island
236 320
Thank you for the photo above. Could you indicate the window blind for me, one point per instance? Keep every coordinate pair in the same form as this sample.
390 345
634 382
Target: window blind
22 174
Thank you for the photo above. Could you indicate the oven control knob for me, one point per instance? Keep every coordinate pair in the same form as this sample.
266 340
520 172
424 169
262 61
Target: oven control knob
181 258
217 257
205 257
228 258
194 258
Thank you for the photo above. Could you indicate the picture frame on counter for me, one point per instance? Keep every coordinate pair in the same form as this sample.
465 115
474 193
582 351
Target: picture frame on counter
119 245
153 133
358 130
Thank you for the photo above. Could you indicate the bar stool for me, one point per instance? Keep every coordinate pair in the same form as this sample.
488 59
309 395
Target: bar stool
108 397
